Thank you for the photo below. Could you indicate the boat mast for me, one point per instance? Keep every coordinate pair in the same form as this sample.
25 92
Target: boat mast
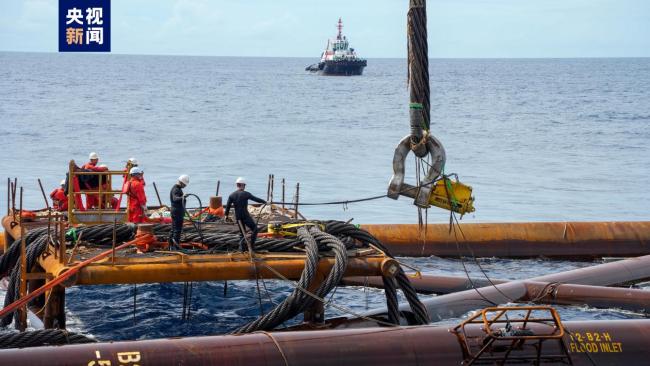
340 28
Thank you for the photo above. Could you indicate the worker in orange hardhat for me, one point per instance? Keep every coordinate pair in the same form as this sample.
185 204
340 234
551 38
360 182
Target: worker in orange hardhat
91 182
137 203
60 198
177 198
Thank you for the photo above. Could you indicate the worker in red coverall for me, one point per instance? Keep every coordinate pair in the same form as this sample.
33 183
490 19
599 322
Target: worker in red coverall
92 184
59 198
137 203
107 199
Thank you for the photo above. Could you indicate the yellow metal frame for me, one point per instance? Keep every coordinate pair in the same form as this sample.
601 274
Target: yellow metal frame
104 215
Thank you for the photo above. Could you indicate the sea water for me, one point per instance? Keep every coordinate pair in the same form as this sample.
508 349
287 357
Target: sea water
537 139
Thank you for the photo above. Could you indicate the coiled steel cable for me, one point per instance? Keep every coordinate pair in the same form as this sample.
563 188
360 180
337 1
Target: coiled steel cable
390 291
12 254
13 288
283 311
43 337
337 272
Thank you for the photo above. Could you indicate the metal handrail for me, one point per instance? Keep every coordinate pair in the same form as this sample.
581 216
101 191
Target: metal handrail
105 178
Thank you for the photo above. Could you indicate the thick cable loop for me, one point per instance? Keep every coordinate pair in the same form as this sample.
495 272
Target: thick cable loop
43 337
390 289
283 311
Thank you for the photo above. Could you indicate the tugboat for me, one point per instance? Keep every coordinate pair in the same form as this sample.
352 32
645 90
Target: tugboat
338 58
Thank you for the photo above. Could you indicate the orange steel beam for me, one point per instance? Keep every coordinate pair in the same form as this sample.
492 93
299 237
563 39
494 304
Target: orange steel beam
616 342
215 267
526 239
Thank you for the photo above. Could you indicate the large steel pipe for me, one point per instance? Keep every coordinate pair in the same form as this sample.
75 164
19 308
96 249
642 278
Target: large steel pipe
519 240
203 268
426 284
552 293
587 343
459 303
593 296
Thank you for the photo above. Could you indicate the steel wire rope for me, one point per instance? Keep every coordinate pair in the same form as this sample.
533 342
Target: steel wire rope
42 337
306 277
478 264
334 305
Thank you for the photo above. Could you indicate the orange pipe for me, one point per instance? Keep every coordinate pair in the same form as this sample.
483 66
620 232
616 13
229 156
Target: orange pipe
526 239
202 268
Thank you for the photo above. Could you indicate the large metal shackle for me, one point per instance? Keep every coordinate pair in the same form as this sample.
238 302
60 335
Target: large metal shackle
420 192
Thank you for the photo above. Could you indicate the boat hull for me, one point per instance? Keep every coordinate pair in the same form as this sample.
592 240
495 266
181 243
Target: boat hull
346 67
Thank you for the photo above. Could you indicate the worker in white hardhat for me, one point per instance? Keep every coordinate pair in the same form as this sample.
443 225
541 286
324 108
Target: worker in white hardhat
59 197
134 189
91 182
133 162
239 199
177 198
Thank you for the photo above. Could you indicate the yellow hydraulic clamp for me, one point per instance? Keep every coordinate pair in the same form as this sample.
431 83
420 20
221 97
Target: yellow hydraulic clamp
452 195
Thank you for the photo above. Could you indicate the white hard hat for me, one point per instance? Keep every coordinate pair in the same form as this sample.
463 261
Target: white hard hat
136 170
62 182
185 179
133 161
93 155
240 180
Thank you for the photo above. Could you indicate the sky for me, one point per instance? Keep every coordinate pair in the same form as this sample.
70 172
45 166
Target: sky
376 28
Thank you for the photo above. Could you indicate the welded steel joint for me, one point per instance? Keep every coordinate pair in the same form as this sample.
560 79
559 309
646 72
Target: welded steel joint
421 142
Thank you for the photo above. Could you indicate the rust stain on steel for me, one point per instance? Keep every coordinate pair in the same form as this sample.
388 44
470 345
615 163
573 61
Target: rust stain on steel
588 343
526 239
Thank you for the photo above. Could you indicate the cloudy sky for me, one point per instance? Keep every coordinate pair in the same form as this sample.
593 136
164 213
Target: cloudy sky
376 28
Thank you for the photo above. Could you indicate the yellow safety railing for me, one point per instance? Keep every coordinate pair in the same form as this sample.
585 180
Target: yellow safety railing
104 192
